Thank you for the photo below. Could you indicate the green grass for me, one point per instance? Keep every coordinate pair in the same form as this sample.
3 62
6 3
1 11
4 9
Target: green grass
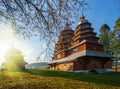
51 79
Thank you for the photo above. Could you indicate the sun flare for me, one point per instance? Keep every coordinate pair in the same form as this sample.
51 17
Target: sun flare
8 39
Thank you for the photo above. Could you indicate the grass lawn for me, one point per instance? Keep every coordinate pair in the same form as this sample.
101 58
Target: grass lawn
51 79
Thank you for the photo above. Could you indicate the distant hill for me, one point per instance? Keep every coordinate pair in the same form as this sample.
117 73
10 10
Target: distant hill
37 65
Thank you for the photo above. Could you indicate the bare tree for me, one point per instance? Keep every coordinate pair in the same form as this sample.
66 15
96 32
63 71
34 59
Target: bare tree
43 18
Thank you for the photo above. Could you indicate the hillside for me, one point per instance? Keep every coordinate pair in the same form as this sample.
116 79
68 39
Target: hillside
49 79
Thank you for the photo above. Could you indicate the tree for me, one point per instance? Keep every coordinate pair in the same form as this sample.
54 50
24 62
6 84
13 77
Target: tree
43 18
115 41
104 37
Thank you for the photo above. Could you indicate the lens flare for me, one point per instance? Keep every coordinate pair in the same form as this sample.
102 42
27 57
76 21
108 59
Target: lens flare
8 39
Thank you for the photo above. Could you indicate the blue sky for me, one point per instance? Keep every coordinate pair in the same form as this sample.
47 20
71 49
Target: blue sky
102 11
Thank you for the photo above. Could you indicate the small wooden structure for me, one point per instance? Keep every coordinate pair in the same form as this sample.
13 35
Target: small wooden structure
14 60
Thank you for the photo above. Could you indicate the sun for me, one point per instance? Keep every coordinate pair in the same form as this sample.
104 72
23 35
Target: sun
8 39
6 44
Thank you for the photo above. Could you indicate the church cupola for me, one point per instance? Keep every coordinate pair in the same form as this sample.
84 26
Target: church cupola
84 31
82 20
67 27
82 17
65 38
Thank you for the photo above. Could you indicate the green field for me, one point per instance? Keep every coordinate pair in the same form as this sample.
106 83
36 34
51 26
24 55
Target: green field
50 79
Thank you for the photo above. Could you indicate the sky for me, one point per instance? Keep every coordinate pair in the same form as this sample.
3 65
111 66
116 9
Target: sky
101 12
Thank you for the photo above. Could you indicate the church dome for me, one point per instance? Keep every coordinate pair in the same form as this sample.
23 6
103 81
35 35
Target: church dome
67 27
13 52
14 55
83 20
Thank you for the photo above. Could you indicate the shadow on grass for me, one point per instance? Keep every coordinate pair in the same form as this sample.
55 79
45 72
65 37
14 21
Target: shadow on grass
106 78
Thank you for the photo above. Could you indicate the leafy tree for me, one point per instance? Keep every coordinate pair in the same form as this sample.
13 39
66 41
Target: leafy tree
115 41
104 36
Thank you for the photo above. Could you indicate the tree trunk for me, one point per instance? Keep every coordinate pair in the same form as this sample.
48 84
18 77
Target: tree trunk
116 65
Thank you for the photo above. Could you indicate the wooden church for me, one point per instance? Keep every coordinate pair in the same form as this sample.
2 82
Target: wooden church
80 51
